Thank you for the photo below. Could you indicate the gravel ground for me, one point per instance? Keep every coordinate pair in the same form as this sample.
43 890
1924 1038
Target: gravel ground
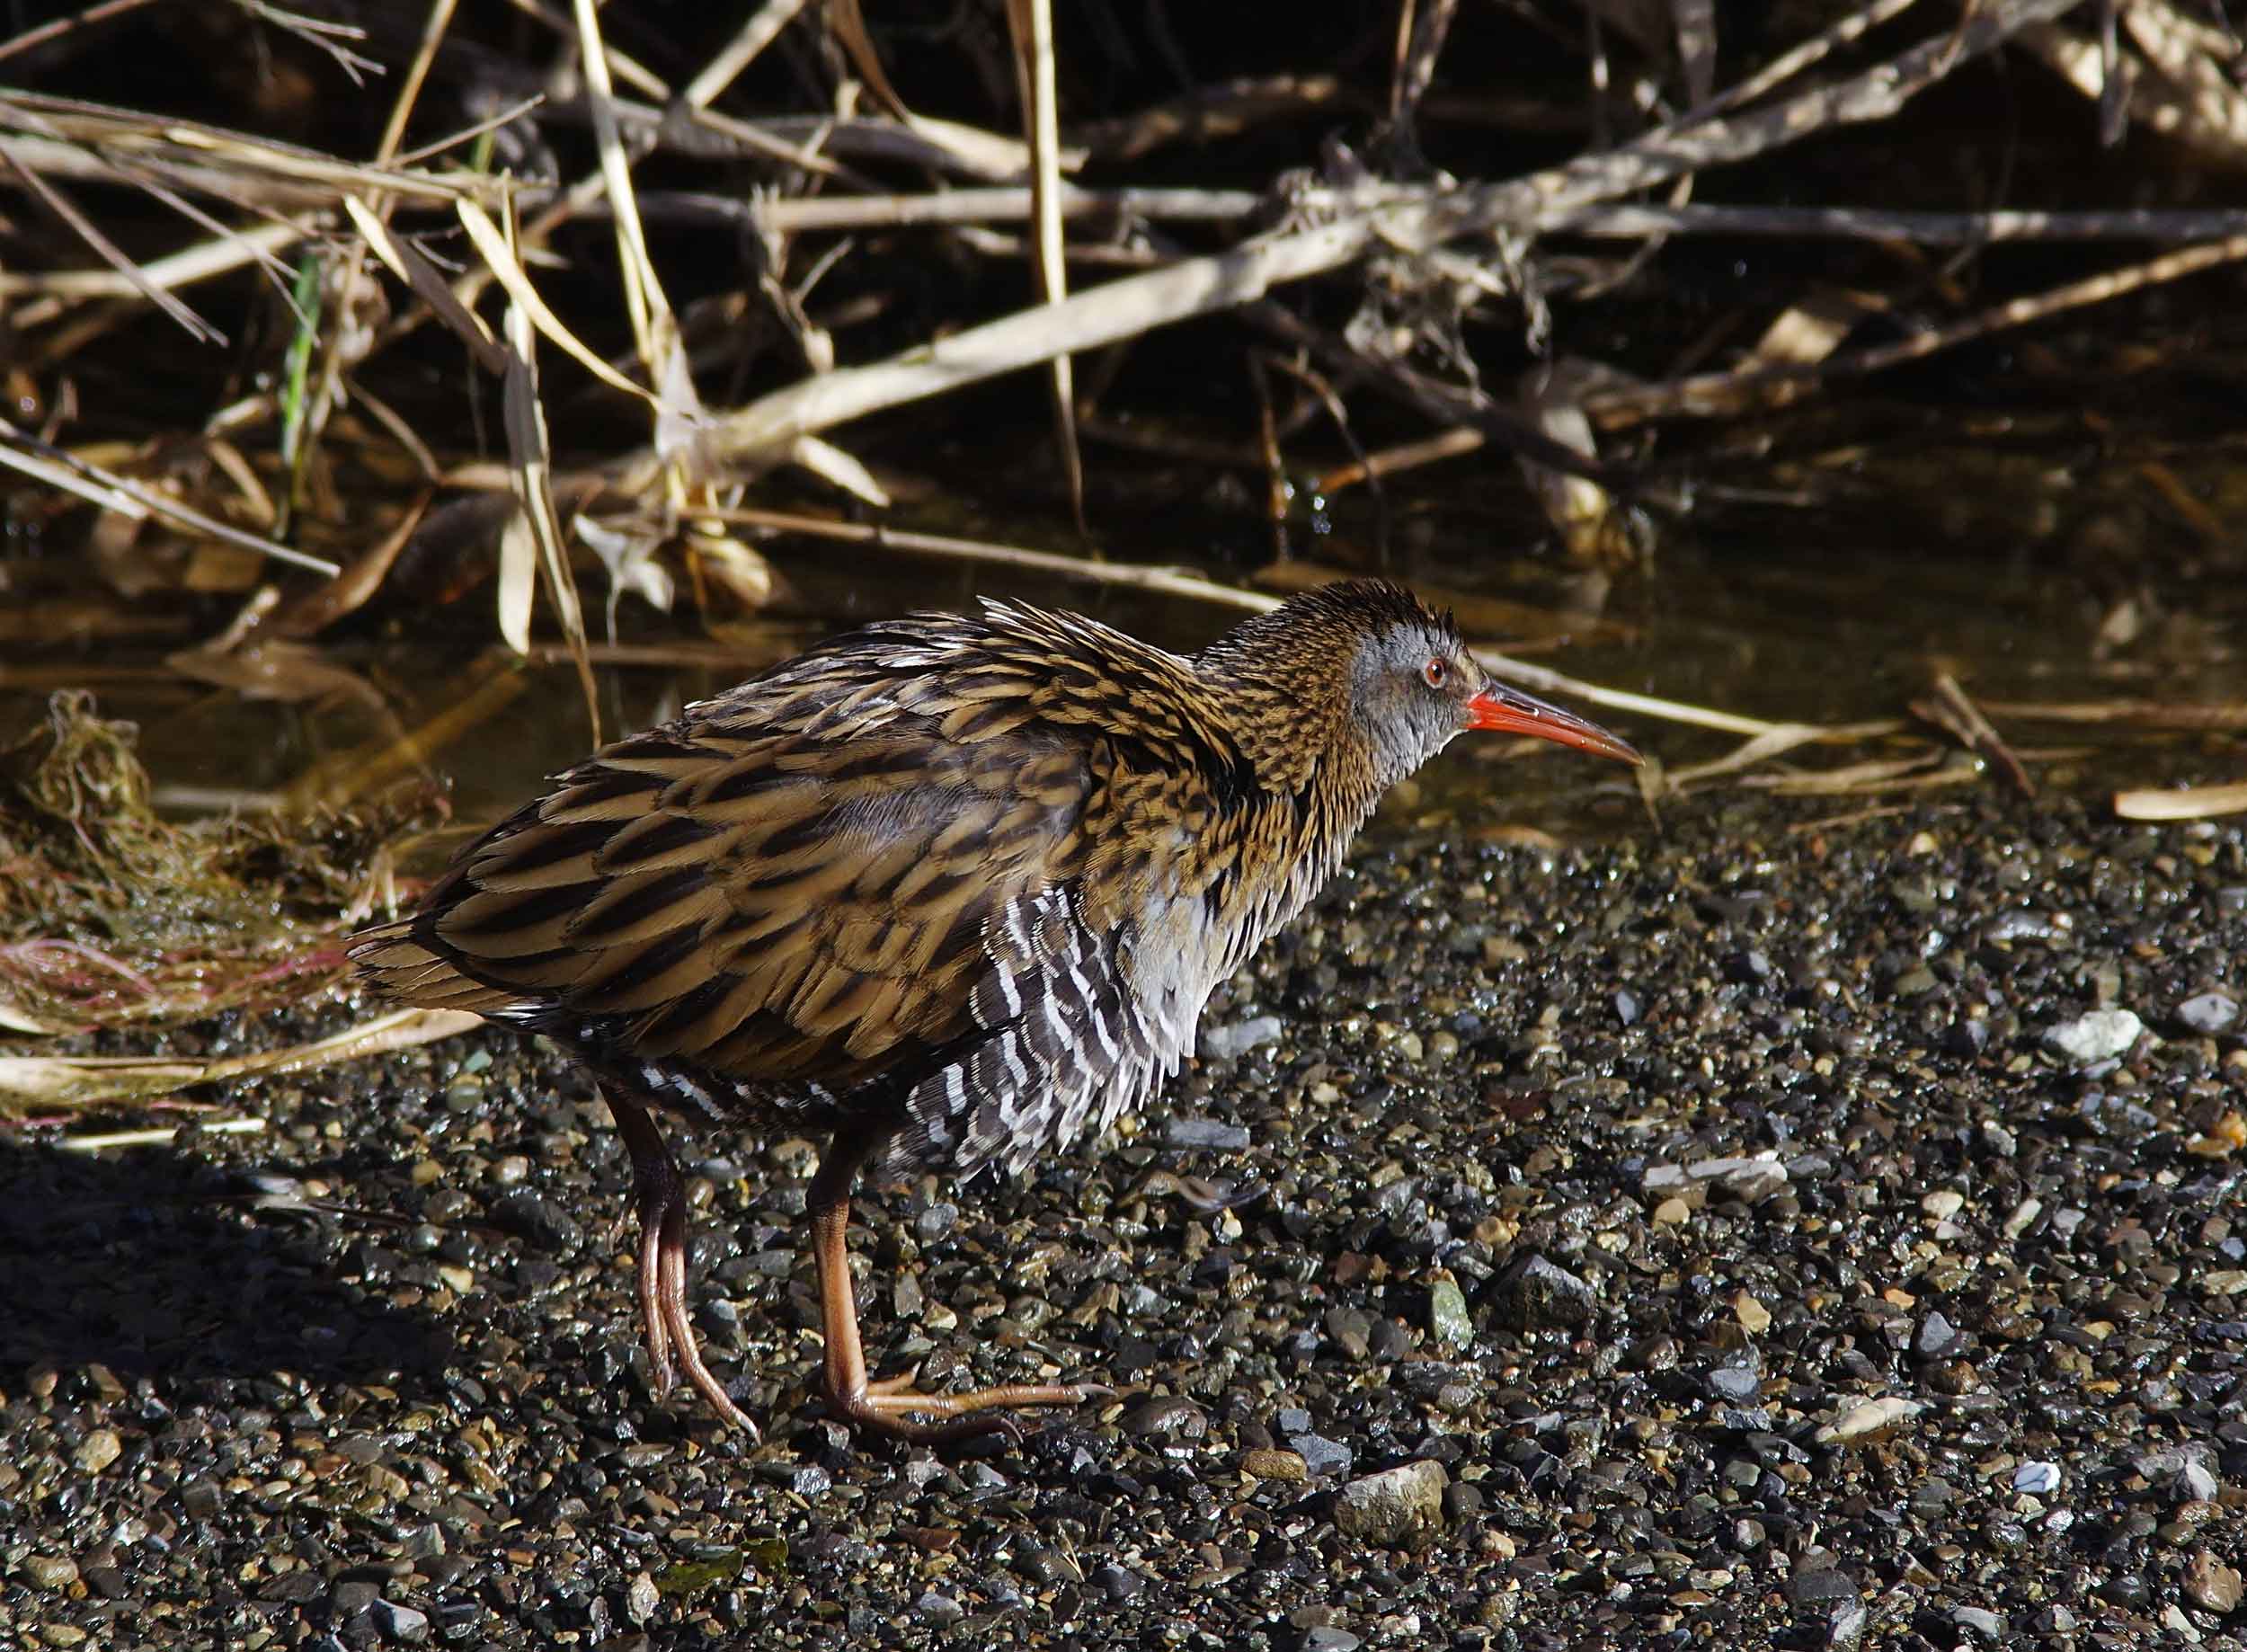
1766 1234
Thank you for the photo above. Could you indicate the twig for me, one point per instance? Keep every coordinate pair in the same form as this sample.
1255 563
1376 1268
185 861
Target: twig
1211 112
81 1080
760 32
799 215
55 29
1925 228
1954 711
1707 394
160 1137
110 253
1797 58
2198 804
2155 714
1031 24
765 429
58 468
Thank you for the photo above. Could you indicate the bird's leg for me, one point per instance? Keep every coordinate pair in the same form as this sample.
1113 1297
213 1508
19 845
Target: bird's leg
660 1195
885 1406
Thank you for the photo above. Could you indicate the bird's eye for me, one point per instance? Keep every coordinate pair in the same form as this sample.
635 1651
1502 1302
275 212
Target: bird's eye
1436 673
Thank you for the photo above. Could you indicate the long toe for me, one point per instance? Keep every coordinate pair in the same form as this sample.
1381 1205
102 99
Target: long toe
670 1294
649 1284
891 1405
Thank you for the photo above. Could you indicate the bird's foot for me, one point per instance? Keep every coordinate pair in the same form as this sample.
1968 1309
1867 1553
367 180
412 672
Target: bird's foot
659 1198
663 1311
889 1405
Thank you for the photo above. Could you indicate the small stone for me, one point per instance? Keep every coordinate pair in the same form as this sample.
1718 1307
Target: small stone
1173 1416
1871 1420
1754 1316
2100 1035
1227 1044
1535 1294
2208 1013
539 1220
1820 1585
1396 1509
1321 1456
1845 1625
1673 1212
2210 1585
1751 1181
351 1598
1943 1204
641 1599
1288 1468
1448 1321
2037 1480
297 1588
53 1573
933 1223
1327 1638
407 1625
1935 1339
1975 1621
98 1449
1739 1380
1205 1133
940 1610
1117 1582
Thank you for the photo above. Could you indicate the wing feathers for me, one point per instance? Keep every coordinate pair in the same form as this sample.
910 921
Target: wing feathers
875 863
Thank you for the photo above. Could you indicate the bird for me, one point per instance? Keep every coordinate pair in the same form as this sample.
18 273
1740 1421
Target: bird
950 890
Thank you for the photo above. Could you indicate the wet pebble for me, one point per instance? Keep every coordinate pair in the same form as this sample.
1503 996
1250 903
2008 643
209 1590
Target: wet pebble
539 1220
407 1625
2037 1480
1538 1295
1322 1457
98 1449
1980 1622
1230 1042
1449 1325
53 1573
1269 1463
1172 1418
1874 1419
1396 1509
940 1610
1205 1133
2100 1035
2207 1013
2211 1584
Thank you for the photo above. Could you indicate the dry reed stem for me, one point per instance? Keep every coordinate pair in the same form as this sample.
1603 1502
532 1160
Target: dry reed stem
764 431
2193 804
29 1081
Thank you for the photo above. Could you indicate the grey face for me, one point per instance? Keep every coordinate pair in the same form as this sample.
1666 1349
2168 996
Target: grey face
1410 689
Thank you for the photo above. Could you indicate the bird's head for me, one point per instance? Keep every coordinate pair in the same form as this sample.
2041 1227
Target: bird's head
1368 670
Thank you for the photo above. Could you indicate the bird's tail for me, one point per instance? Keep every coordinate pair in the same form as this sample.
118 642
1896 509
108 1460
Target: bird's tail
395 960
